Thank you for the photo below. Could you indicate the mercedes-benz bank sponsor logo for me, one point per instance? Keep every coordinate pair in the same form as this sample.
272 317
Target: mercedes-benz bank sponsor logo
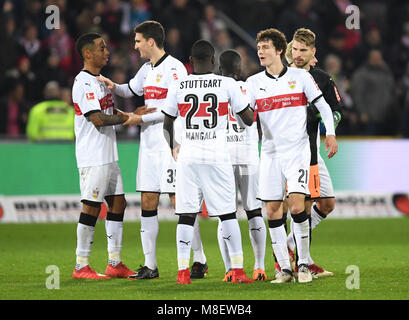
266 104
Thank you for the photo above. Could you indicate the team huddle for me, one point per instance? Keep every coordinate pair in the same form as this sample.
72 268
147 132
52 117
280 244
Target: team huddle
206 128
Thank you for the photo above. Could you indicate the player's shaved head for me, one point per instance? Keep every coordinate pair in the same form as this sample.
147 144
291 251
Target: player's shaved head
202 50
230 63
86 41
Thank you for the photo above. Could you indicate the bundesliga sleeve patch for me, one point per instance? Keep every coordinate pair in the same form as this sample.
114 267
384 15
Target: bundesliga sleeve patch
90 96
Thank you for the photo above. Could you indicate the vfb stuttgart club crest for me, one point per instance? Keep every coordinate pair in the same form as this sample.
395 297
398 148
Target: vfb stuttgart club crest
95 193
292 83
159 77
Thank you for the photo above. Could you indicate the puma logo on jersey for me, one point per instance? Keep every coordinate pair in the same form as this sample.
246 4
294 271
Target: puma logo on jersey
263 89
227 238
186 243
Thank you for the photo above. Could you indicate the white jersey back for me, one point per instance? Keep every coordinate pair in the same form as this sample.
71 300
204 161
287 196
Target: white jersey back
281 103
242 142
202 100
153 82
93 146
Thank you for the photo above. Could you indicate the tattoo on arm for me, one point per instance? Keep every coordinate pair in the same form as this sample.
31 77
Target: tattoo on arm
100 119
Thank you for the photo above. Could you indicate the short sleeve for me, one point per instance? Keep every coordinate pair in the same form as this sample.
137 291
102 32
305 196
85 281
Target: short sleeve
239 99
137 82
170 106
311 89
177 72
251 93
85 98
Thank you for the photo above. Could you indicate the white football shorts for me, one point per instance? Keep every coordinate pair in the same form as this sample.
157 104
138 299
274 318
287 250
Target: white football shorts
209 182
326 187
246 178
152 173
168 179
100 181
289 170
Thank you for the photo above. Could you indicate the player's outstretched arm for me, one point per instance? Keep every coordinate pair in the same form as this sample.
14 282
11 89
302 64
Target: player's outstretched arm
108 82
168 132
143 115
142 110
100 119
121 90
246 117
331 146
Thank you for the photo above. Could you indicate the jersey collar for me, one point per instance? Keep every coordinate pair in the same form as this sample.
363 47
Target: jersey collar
160 60
89 72
279 76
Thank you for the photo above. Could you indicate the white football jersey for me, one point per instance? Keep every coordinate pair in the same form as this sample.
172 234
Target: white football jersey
281 102
153 82
242 142
93 146
202 100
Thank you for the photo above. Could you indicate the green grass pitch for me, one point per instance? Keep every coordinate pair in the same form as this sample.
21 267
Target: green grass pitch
378 247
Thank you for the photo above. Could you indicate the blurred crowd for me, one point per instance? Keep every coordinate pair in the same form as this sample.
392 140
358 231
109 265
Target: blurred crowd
370 65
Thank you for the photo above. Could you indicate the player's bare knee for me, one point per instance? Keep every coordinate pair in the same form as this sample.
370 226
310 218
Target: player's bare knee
149 201
123 204
90 207
326 206
274 210
285 206
308 205
296 208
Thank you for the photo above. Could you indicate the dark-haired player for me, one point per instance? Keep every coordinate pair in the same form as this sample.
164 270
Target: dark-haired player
281 95
156 169
203 162
96 153
243 148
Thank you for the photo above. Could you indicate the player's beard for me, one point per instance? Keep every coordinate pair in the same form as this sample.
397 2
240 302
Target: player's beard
301 63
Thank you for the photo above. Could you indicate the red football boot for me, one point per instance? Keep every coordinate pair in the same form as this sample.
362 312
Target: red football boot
184 277
87 273
120 271
238 276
